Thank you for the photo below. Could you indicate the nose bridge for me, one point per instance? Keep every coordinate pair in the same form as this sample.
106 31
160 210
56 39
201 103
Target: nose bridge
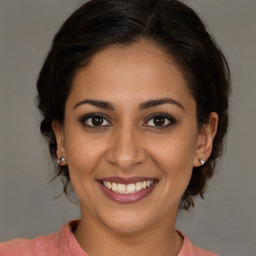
126 147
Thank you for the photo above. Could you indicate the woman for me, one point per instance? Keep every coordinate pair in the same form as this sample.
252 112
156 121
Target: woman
134 98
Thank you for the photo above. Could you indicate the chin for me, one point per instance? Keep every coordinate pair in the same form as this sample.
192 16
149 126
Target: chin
129 227
127 222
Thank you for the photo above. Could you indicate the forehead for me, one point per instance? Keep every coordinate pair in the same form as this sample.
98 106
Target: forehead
139 71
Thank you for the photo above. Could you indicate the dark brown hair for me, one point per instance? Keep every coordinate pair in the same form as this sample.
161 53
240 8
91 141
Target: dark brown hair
171 25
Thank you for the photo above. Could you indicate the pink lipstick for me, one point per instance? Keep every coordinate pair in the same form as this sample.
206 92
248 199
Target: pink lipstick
127 190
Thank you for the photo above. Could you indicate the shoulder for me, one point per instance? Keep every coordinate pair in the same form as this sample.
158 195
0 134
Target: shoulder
188 249
38 246
59 243
201 252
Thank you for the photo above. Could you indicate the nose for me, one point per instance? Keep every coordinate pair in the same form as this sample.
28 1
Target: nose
126 149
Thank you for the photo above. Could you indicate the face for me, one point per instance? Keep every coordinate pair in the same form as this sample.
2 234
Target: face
130 137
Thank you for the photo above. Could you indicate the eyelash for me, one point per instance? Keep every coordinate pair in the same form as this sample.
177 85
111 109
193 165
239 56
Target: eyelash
171 120
85 118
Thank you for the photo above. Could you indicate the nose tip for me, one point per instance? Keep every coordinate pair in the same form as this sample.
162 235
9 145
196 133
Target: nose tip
126 152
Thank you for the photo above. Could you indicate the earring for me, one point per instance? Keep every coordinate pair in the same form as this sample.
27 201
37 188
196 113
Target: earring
62 160
201 161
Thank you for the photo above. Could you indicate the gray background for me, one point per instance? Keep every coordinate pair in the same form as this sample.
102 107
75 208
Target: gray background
224 222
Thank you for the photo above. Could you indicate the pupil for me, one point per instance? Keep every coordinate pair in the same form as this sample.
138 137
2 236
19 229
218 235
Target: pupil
158 121
96 121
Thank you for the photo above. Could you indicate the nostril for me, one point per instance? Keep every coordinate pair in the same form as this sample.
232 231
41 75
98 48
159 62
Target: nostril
126 148
125 158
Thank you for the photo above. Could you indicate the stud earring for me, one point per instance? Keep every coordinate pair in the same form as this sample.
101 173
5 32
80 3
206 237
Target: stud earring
201 161
62 160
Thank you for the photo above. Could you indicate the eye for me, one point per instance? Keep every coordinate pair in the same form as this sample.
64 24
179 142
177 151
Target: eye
95 120
160 121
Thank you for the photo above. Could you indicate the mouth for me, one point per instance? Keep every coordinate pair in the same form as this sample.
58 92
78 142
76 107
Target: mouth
127 190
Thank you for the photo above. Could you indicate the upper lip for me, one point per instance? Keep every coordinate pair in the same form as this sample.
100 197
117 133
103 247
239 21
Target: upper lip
126 181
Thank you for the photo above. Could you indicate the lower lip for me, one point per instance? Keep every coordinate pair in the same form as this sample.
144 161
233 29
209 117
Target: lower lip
127 198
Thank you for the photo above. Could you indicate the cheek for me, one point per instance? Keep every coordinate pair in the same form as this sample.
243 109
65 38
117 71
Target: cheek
83 159
175 156
83 152
176 150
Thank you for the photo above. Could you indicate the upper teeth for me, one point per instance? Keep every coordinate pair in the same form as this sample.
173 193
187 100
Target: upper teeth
129 188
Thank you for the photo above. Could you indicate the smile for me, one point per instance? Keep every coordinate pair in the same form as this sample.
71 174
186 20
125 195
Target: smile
129 190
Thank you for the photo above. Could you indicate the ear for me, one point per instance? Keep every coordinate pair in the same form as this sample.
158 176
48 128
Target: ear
205 140
60 139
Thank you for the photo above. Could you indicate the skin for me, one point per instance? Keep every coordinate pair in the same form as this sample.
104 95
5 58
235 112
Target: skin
129 144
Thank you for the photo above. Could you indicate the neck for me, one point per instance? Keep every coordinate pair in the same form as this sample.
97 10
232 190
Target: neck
98 240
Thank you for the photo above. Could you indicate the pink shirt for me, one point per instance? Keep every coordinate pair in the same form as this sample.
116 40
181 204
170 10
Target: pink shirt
64 243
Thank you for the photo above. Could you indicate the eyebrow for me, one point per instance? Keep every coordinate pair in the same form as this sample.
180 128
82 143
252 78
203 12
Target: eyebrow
144 105
157 102
96 103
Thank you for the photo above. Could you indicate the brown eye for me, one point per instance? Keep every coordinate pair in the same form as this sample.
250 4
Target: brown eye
95 120
160 120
